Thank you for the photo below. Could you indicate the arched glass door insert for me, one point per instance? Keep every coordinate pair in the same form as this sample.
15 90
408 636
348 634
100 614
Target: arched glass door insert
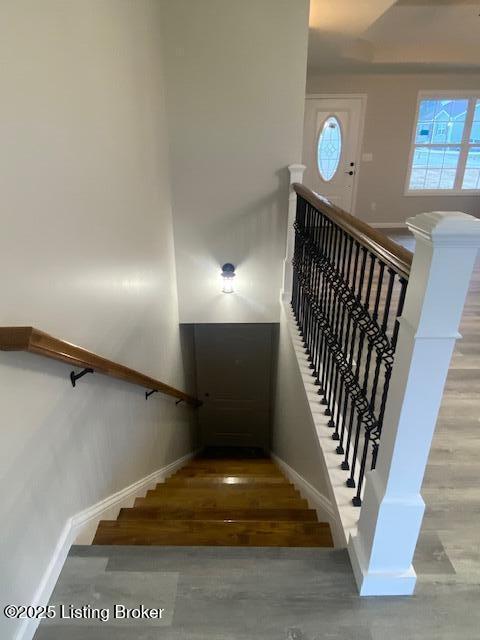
329 148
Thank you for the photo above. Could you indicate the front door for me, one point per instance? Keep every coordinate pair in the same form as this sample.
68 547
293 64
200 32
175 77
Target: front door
331 146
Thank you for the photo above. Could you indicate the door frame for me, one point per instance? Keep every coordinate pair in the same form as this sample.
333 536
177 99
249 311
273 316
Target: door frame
363 110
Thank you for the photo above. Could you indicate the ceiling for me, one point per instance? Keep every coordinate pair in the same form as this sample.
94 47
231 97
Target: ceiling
394 36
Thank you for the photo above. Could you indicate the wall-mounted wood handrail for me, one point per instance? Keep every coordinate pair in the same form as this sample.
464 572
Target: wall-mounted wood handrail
34 341
391 253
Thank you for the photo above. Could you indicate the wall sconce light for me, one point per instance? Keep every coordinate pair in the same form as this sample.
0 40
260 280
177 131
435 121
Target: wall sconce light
228 274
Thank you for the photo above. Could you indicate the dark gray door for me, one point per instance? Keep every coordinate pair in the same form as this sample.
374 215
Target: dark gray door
234 369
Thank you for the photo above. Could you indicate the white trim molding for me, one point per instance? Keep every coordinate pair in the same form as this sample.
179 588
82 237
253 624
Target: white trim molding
315 499
80 529
344 514
85 523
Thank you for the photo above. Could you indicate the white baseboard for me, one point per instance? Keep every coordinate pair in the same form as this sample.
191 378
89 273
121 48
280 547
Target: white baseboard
84 524
81 528
388 225
376 583
315 499
346 515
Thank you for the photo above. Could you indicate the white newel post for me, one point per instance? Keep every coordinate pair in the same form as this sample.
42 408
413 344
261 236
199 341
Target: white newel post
296 175
392 510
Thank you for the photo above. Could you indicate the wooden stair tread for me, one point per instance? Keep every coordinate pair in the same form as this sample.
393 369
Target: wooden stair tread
223 490
258 462
171 513
213 533
215 473
233 470
220 501
214 501
227 481
223 466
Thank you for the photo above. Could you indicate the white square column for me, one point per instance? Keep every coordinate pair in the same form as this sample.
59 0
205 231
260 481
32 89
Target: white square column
392 510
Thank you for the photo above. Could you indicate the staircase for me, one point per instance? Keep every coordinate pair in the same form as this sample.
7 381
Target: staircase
233 498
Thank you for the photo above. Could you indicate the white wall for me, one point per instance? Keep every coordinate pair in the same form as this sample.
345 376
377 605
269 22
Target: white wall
391 105
235 94
86 254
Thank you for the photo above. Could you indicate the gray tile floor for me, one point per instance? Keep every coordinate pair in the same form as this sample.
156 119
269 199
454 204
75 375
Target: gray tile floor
244 593
308 594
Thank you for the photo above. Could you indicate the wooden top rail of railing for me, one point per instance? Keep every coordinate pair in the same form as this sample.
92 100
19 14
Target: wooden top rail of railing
391 253
35 341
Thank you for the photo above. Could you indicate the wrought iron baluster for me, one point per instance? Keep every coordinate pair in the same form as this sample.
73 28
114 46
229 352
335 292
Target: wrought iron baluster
311 318
361 342
380 361
326 305
344 341
301 205
339 323
388 361
331 313
347 404
308 309
357 500
304 271
353 409
321 255
335 278
315 289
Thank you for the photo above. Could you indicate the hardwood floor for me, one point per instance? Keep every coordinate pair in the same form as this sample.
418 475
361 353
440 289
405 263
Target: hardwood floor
220 502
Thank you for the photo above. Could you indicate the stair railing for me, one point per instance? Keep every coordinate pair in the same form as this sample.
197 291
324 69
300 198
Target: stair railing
379 325
348 292
33 340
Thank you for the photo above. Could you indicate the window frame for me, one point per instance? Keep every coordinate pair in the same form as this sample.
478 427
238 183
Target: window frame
464 145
